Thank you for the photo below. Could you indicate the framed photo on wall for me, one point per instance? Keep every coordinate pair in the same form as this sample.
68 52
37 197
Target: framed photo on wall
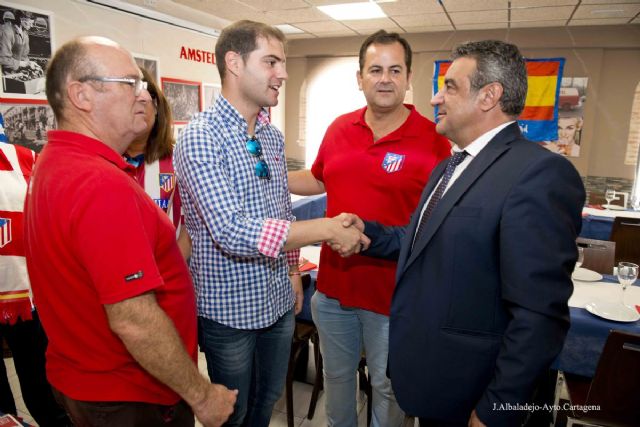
23 71
177 130
210 92
26 122
150 63
183 97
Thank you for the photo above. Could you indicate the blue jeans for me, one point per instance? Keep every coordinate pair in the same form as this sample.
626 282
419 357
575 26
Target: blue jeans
343 331
254 361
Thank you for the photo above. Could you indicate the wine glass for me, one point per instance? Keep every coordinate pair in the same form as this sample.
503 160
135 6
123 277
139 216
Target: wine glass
627 274
580 259
609 195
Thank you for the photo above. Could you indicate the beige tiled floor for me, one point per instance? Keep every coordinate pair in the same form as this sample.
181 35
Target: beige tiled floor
301 397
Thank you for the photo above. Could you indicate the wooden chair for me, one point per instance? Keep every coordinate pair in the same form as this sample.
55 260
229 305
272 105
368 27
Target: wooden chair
615 388
304 333
626 233
599 255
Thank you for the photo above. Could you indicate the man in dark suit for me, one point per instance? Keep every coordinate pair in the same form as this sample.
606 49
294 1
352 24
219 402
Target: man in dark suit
484 273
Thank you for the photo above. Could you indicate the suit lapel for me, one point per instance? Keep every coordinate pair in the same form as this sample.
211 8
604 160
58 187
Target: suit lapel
493 150
415 218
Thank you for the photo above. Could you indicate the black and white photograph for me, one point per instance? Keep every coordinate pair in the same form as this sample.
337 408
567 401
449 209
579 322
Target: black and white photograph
27 124
149 63
183 97
210 92
25 50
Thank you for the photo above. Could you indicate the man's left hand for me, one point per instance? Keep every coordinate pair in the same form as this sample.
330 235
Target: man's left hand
296 282
474 421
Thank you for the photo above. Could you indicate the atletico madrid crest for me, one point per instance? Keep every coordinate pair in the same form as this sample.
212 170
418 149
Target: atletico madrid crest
5 232
167 181
393 162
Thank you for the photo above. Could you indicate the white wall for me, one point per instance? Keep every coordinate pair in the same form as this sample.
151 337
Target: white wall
139 35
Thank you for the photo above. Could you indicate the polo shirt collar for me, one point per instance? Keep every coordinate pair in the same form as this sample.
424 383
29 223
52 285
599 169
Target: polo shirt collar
405 129
88 145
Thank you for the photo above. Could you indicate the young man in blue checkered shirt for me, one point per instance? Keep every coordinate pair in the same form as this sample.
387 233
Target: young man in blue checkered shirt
230 162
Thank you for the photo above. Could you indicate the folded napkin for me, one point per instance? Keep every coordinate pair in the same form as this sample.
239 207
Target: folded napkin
307 266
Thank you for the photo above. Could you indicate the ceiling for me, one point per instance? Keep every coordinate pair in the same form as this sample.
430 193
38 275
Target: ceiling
404 16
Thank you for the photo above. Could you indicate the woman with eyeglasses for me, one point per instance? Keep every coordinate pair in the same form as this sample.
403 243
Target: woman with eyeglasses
151 154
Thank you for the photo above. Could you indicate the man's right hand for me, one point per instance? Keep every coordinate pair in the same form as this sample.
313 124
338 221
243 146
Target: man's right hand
347 239
216 407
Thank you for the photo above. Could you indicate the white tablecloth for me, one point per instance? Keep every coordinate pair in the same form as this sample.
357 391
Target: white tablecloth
610 213
584 293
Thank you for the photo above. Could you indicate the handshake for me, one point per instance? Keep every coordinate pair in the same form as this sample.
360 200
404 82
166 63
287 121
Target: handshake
346 234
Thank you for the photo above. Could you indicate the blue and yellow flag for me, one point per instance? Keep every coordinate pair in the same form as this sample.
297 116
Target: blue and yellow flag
539 120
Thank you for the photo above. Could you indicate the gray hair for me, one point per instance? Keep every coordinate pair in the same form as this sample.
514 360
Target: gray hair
500 62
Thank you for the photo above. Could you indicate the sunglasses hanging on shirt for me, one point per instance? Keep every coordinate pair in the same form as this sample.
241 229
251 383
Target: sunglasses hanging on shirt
255 149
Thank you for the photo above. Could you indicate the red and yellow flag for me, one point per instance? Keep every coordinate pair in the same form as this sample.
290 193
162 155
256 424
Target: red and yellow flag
539 119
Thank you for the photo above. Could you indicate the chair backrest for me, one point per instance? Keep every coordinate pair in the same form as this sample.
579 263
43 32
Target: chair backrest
599 255
616 384
626 233
597 198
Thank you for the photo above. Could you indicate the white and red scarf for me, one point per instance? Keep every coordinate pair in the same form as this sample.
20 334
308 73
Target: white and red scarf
16 166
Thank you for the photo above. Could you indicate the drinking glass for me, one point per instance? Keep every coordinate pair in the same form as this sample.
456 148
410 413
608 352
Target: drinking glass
609 195
580 259
627 274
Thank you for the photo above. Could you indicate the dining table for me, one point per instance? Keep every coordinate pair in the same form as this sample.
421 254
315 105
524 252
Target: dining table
588 332
309 207
597 221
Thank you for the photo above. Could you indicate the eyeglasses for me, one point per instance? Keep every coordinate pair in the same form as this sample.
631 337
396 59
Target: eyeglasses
255 149
138 84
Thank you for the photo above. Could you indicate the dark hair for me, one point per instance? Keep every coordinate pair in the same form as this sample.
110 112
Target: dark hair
70 62
160 142
500 62
383 37
241 37
23 14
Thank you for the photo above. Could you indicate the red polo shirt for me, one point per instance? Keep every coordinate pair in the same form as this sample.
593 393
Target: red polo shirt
379 181
93 237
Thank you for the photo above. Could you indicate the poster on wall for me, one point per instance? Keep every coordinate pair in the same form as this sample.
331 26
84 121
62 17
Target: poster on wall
26 44
183 97
210 92
26 122
573 94
149 63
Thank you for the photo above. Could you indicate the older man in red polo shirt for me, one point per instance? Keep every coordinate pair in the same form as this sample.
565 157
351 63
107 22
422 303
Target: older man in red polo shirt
113 291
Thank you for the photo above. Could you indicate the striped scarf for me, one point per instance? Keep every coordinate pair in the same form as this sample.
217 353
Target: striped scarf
16 165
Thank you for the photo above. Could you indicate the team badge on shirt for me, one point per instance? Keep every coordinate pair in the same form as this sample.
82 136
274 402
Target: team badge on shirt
162 203
5 232
167 181
393 162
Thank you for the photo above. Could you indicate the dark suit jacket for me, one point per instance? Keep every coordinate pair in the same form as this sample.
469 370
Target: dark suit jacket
480 306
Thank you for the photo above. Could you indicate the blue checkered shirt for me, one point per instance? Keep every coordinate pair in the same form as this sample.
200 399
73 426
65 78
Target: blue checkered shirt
226 205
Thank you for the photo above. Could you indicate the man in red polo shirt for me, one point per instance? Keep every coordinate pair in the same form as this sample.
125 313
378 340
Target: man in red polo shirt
113 291
373 162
